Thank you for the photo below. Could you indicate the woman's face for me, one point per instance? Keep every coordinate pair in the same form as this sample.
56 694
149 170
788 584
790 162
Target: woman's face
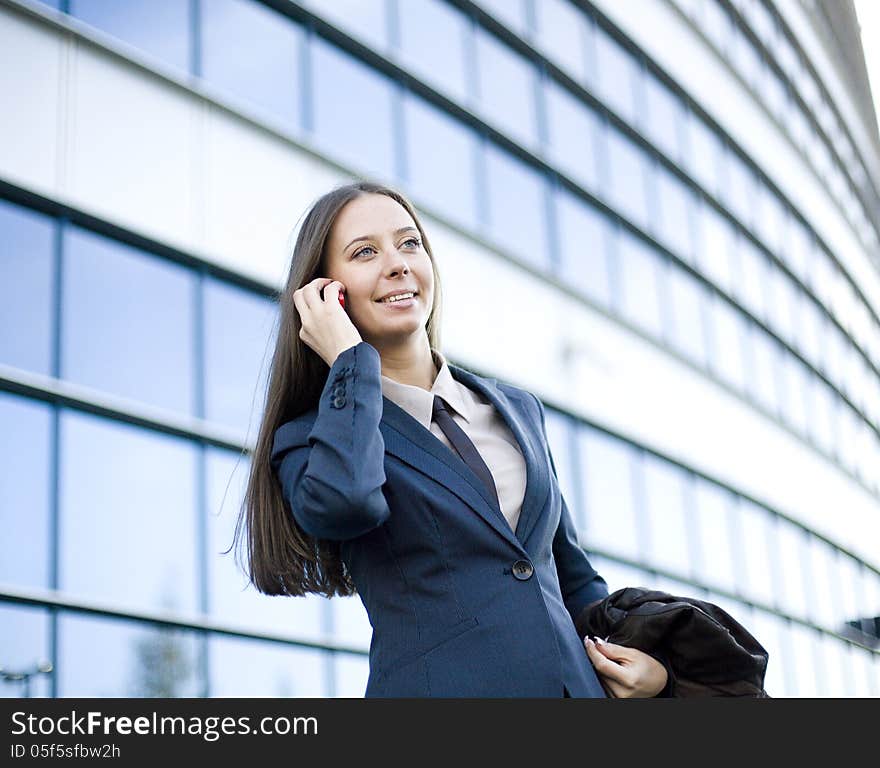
374 249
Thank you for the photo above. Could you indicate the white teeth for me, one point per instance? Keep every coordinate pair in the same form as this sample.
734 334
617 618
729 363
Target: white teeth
399 297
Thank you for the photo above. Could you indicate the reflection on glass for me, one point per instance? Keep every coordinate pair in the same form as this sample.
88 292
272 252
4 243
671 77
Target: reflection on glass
608 488
27 287
159 27
352 108
512 13
253 52
447 180
100 657
728 347
571 131
712 513
665 118
24 492
687 316
750 289
617 73
667 516
507 89
517 201
705 152
127 502
560 34
627 169
433 42
24 646
231 597
716 252
584 247
239 335
641 275
113 337
243 667
365 19
673 226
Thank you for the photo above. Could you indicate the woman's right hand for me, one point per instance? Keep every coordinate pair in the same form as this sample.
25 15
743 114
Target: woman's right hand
326 327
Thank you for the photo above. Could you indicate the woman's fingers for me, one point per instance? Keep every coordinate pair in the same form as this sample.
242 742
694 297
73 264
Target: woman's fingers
603 665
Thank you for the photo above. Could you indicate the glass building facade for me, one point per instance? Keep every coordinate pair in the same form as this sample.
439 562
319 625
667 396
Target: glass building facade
674 201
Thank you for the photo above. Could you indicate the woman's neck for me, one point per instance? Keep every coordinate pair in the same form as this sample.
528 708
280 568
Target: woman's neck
410 363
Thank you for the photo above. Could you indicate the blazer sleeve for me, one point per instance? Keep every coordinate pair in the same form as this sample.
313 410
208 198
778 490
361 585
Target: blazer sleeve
332 474
581 585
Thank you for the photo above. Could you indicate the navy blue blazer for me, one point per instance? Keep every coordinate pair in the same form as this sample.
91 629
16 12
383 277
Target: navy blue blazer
459 603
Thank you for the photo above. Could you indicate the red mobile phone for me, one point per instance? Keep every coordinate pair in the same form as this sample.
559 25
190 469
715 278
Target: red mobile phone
341 297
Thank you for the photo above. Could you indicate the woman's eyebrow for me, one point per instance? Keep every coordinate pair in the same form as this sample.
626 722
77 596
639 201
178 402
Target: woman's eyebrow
373 237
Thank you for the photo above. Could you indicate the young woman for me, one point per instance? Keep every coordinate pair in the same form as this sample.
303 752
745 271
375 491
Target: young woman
381 468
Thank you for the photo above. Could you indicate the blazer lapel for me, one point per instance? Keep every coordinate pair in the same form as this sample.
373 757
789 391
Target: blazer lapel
409 441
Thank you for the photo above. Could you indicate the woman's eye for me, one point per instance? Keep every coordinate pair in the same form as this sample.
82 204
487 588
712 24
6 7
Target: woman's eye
362 250
414 240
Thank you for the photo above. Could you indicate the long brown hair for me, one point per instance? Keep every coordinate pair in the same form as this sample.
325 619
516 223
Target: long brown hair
281 558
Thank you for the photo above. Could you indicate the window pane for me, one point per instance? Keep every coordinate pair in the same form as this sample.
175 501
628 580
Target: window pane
584 247
100 657
768 632
27 287
239 337
351 675
445 180
512 13
803 642
365 19
113 337
433 38
728 345
24 645
715 254
712 506
674 225
771 220
668 519
352 111
608 485
705 154
665 117
739 192
561 36
764 383
572 128
559 429
617 72
641 271
751 289
687 303
242 667
794 407
627 178
757 580
620 575
231 598
507 89
127 515
517 201
826 586
254 53
792 559
158 27
24 491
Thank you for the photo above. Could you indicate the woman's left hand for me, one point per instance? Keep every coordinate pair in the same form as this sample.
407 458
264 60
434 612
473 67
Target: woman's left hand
626 673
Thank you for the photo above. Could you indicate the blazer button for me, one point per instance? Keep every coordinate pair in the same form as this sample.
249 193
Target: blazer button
339 391
523 570
338 401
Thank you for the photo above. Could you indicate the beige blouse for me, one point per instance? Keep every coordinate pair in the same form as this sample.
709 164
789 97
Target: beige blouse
480 421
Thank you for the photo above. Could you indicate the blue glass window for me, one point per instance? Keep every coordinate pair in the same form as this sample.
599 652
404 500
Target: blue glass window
512 13
642 274
365 19
239 337
716 252
100 657
350 622
127 322
351 675
704 158
24 644
585 248
714 530
127 510
433 43
824 603
617 72
27 287
665 118
507 89
740 190
728 347
771 220
561 35
517 204
687 313
254 53
627 178
559 433
750 289
673 226
756 579
230 595
572 129
24 491
608 481
794 401
352 111
792 554
447 180
161 28
668 517
244 667
782 304
764 383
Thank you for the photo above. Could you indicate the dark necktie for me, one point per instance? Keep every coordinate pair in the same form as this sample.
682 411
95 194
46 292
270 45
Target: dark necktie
465 448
